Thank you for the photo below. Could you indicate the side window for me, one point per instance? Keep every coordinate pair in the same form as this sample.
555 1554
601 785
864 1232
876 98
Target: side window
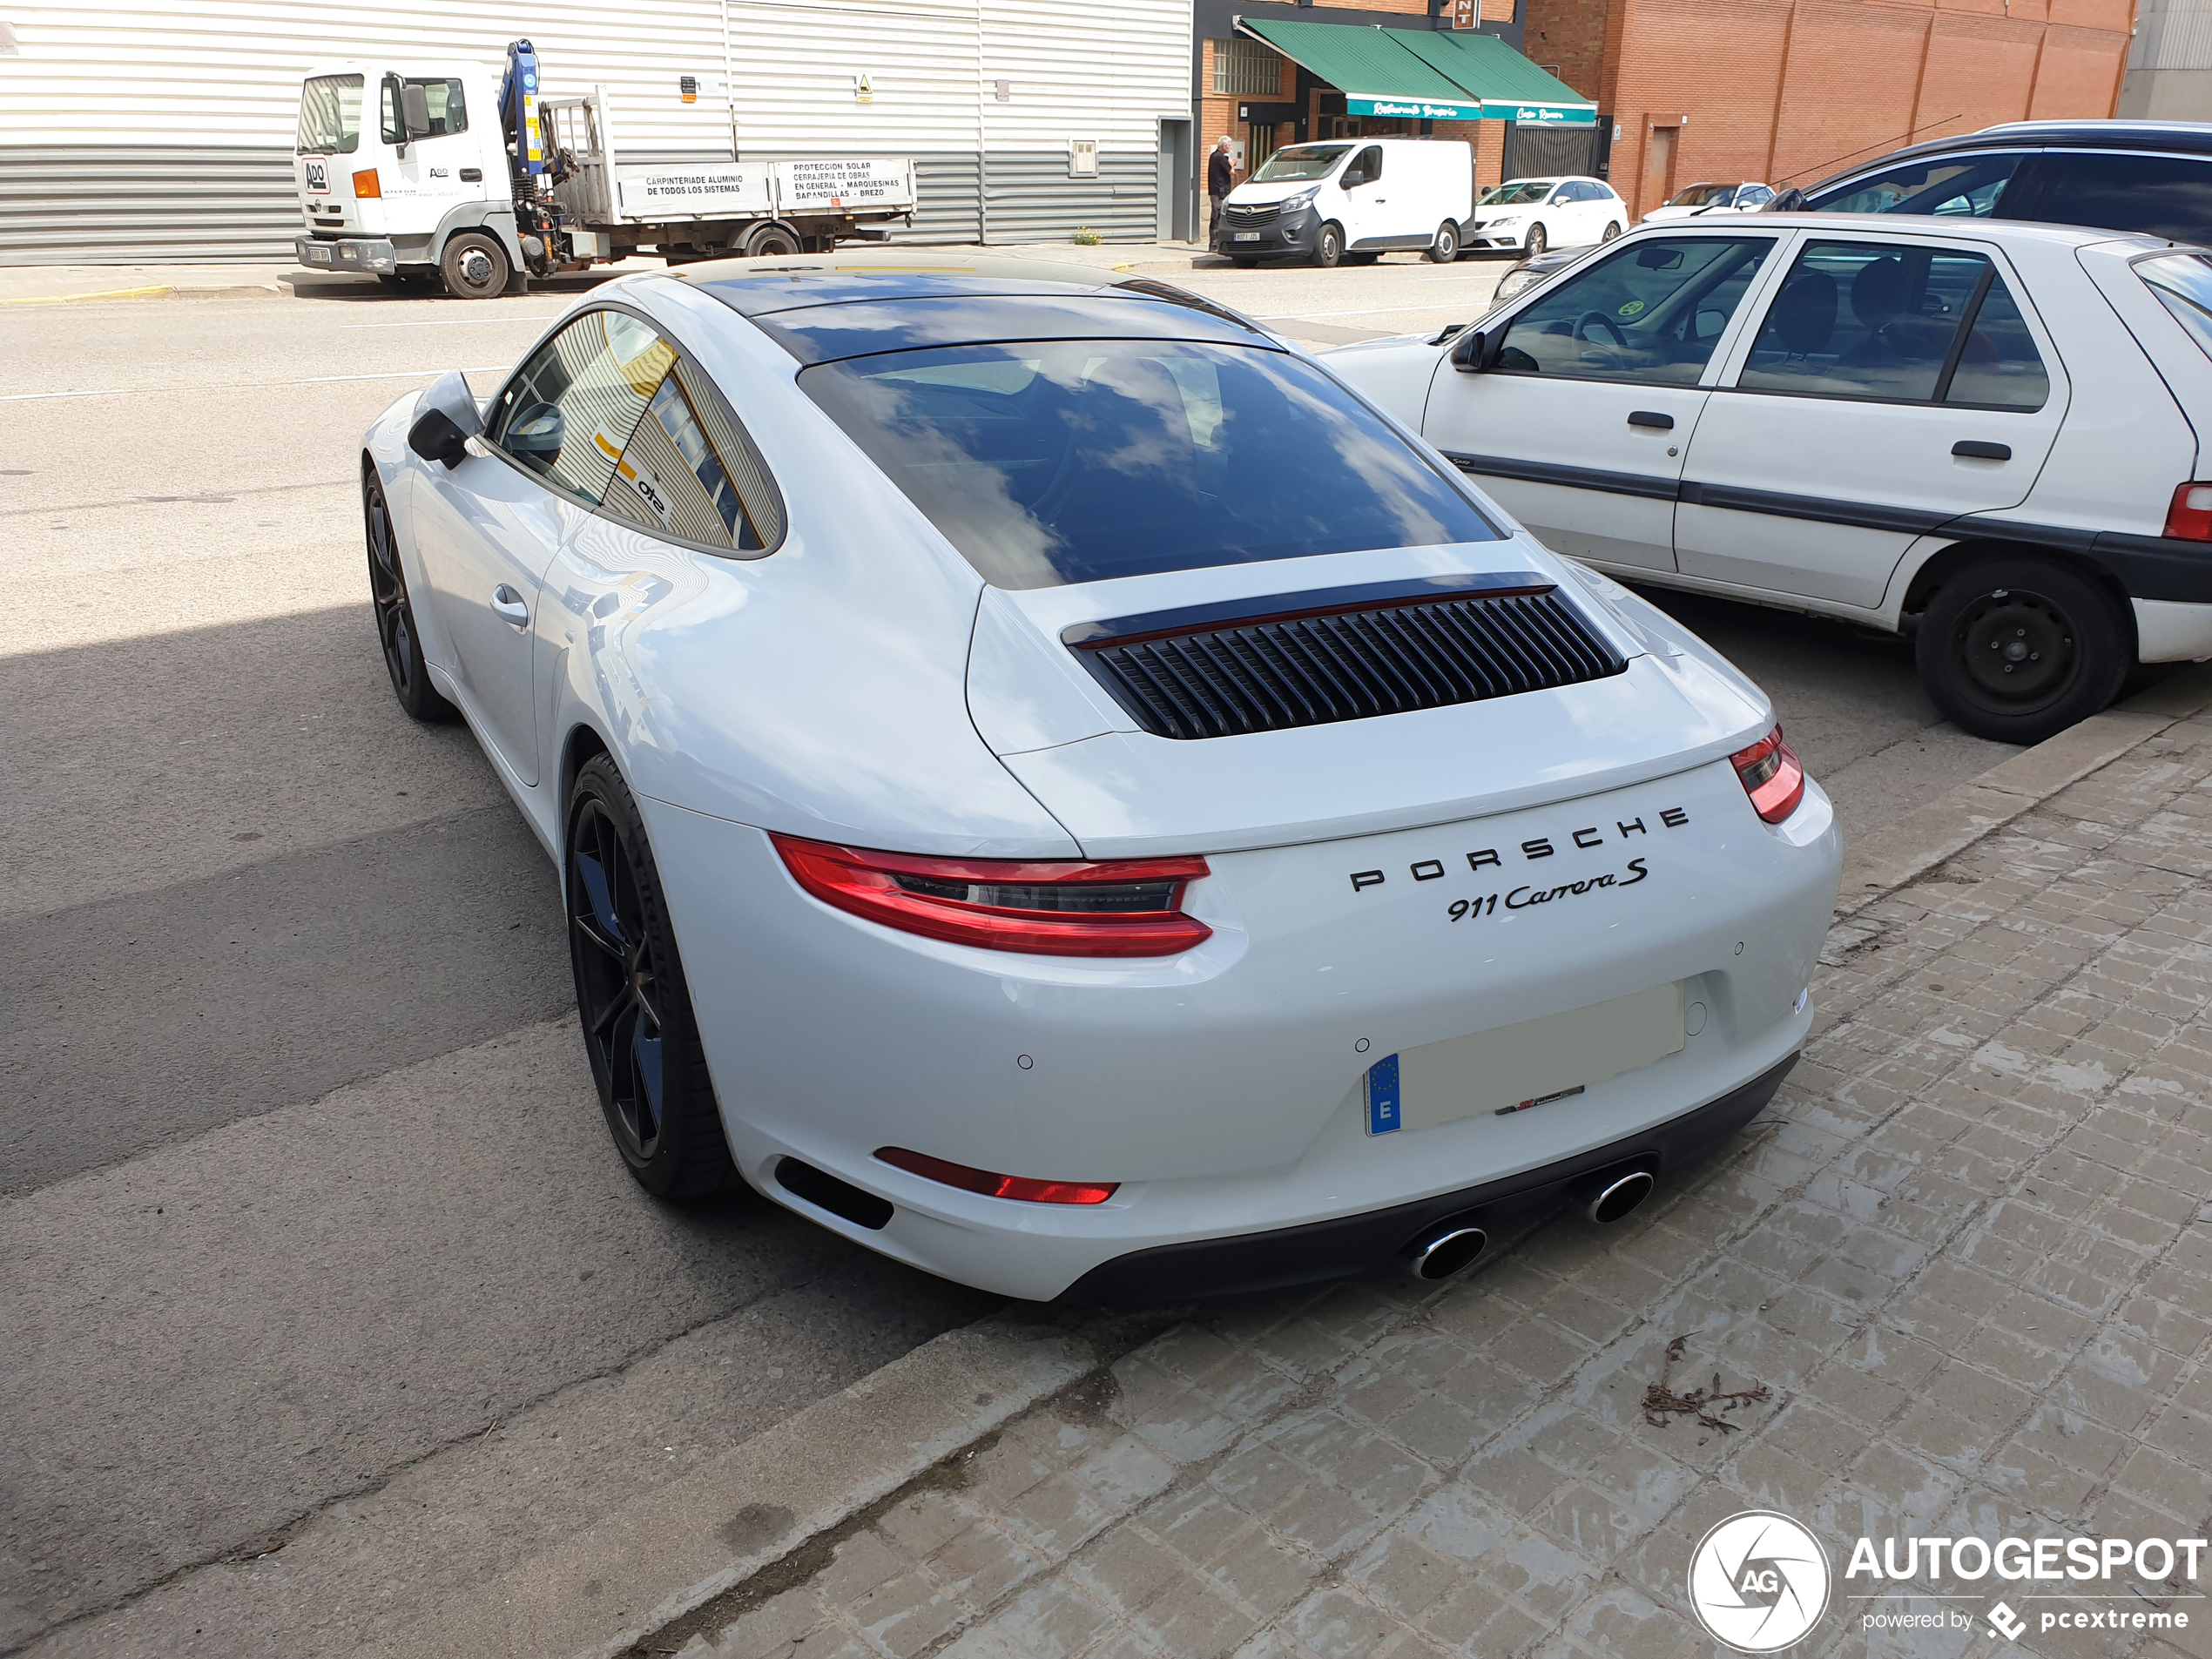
1896 322
608 410
1370 163
1958 186
448 108
2168 196
1650 313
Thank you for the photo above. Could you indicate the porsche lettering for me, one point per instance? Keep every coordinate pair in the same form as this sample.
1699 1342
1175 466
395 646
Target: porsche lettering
1588 837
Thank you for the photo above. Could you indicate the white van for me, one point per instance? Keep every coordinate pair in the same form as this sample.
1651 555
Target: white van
1351 200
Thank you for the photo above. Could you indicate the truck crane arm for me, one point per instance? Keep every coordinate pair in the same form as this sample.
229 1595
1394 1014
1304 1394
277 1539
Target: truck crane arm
518 113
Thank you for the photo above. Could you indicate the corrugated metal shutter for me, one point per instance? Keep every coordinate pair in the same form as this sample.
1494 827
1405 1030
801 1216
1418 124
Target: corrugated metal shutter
1032 198
129 205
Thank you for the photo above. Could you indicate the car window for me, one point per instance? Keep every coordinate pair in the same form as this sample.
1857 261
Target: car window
1370 163
1970 186
1650 312
449 109
608 410
330 115
1078 460
1299 161
1896 322
1753 196
2183 283
1522 193
2168 196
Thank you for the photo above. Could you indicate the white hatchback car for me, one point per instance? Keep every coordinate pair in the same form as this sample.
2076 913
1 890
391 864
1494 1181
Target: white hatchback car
1981 434
1537 213
1070 796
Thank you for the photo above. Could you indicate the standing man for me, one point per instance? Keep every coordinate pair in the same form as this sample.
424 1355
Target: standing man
1219 180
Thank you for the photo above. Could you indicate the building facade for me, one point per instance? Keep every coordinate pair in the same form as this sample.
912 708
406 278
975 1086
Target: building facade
131 132
2170 72
1788 92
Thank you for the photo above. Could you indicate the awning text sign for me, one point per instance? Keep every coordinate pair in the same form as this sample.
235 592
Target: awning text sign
1413 109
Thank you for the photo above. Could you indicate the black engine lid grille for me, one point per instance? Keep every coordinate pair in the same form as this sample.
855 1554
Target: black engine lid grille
1315 658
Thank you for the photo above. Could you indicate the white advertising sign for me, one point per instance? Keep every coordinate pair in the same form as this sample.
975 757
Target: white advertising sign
710 190
862 187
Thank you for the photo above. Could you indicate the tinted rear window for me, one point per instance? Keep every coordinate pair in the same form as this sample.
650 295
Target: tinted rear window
2183 283
2168 196
1076 461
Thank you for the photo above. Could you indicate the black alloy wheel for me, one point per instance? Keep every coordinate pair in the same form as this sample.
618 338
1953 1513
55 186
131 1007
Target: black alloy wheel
395 629
2015 650
1328 246
1536 244
638 1030
475 265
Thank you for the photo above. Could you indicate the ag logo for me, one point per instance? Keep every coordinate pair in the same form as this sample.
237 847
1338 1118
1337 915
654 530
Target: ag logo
1635 307
1758 1582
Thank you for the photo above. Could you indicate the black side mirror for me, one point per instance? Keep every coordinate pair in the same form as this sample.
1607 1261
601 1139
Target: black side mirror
446 418
1353 178
415 110
1475 350
1788 201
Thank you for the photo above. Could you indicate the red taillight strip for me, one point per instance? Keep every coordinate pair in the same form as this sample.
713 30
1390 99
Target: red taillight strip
2188 515
859 882
997 1186
1772 776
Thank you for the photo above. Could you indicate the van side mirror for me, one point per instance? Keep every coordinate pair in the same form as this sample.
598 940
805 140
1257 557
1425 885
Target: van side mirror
1476 349
1352 179
446 418
415 110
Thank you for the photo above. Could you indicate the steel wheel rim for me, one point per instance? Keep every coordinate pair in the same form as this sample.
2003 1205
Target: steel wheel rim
618 981
2019 650
388 591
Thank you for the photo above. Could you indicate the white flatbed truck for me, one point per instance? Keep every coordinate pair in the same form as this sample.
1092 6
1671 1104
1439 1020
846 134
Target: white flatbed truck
426 172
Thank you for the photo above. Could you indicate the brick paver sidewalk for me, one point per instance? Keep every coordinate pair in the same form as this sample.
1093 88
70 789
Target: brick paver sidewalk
1968 1249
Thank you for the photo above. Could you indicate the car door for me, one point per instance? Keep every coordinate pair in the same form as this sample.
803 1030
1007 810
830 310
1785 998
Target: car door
428 169
1366 204
1890 387
488 527
1579 425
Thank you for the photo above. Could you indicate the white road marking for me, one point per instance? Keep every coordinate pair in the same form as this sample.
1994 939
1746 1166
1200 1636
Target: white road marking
1376 311
451 322
25 397
402 374
319 380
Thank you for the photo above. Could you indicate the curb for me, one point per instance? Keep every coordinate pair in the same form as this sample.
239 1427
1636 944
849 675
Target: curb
799 1483
155 293
1948 825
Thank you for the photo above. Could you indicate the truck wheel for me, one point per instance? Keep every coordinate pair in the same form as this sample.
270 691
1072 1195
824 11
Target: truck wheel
475 266
1328 246
771 241
2017 649
1445 247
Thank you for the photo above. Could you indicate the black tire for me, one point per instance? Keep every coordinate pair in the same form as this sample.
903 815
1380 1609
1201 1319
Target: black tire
475 266
639 1032
771 242
1328 246
395 628
1612 230
1445 247
2016 649
1536 244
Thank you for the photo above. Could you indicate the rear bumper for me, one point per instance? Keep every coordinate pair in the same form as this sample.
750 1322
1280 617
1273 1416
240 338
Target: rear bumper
1250 1264
370 254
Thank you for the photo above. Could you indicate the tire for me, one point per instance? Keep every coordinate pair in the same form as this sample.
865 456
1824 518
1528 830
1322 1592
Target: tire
475 266
639 1032
1536 244
395 627
1328 246
1446 246
1612 230
2016 649
771 242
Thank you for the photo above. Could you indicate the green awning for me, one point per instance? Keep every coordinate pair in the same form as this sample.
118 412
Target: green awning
1425 75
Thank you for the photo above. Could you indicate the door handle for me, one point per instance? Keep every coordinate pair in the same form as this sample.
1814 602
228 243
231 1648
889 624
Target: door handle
1972 449
1651 418
509 603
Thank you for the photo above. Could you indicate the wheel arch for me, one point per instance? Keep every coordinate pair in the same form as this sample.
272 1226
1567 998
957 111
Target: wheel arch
496 217
584 740
1949 561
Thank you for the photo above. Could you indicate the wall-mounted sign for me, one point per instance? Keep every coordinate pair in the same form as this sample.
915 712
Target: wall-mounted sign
1413 109
1465 14
1002 90
687 87
864 88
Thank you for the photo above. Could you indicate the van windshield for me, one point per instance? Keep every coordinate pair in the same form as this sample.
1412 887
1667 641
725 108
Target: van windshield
1300 161
1521 190
1075 461
330 115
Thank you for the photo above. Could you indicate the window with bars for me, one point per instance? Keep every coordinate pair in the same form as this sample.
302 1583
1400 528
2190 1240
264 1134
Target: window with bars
1246 68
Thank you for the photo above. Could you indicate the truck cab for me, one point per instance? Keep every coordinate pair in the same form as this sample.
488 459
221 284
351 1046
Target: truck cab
403 171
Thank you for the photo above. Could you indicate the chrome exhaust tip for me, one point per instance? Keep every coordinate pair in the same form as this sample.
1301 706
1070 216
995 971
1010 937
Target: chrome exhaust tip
1617 1198
1448 1250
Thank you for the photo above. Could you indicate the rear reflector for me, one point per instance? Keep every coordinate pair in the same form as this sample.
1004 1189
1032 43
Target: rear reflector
1771 775
819 1187
1112 908
997 1186
2189 517
366 187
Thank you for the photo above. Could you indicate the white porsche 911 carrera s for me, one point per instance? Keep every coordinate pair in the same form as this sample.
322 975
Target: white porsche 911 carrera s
1052 786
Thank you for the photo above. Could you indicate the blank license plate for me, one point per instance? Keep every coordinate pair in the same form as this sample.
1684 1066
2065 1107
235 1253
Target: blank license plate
1245 236
1518 1066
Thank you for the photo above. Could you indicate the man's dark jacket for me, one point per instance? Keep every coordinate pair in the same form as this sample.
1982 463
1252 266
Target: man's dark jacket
1218 173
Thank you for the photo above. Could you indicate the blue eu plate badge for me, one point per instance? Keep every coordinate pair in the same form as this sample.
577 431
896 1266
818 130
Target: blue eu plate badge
1382 1095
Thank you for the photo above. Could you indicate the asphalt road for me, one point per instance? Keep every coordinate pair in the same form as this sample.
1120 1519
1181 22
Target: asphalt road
307 1223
